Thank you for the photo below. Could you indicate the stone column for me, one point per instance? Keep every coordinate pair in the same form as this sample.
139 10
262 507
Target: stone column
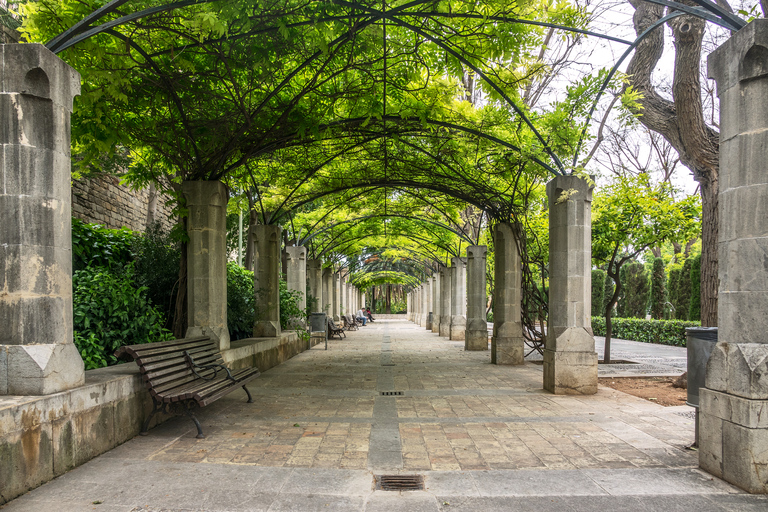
476 333
428 303
327 303
343 306
570 360
315 279
436 305
296 276
410 306
267 267
37 353
336 297
458 298
445 301
733 421
207 260
507 343
422 306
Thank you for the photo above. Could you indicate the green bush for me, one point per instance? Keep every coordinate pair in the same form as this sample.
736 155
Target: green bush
694 312
289 306
658 293
683 299
608 288
665 332
240 311
598 292
635 290
673 285
156 267
96 246
109 312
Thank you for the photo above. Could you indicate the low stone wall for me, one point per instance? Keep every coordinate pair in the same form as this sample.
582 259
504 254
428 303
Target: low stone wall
42 437
381 316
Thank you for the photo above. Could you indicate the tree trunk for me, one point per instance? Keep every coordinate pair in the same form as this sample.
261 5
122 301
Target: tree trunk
389 299
682 123
608 310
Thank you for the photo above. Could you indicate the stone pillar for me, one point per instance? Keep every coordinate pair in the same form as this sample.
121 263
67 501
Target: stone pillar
422 306
37 353
458 298
570 360
343 296
507 343
436 306
445 301
296 276
336 297
267 267
327 302
428 302
410 306
207 260
315 279
733 421
476 333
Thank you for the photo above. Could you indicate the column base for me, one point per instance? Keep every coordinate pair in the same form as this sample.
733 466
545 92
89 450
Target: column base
570 373
40 369
475 340
507 351
733 426
458 328
218 334
445 328
266 329
436 323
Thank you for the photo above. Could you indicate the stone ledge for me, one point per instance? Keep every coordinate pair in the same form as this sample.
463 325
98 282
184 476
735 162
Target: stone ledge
42 437
746 412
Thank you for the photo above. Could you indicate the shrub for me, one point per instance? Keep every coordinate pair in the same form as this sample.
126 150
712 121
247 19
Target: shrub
240 299
635 290
598 292
694 313
673 285
665 332
111 311
683 302
658 295
289 306
94 245
608 288
156 268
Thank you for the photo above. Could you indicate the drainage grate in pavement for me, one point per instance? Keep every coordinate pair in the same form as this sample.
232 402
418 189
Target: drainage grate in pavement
399 483
387 364
391 393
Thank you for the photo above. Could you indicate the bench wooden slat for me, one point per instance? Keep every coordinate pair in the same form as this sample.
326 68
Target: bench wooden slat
202 388
156 366
135 350
148 362
203 401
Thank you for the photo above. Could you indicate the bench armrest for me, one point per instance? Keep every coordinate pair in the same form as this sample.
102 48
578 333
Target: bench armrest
215 367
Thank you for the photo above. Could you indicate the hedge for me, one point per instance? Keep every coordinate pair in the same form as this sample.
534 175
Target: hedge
665 332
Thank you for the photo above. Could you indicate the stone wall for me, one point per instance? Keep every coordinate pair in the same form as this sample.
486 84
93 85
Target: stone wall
106 201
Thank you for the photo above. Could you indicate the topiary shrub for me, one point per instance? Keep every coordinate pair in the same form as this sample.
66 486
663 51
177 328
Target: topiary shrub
111 311
96 246
608 288
664 332
240 300
636 289
658 295
683 299
598 291
694 313
673 285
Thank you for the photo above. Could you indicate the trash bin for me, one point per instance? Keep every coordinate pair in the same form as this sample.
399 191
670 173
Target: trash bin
700 342
318 329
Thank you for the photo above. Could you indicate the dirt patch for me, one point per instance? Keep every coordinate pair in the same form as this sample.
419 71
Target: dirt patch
655 389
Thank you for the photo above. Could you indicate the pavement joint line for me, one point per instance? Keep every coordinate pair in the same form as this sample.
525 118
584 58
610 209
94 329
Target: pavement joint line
385 451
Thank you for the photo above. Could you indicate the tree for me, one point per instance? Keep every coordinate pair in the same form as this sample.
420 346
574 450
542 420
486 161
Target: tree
681 121
629 216
682 302
695 310
658 293
635 284
598 291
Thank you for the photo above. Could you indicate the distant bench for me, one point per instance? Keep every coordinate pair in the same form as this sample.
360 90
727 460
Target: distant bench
183 374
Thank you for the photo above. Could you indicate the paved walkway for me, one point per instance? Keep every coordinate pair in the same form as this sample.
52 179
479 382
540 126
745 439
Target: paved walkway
483 437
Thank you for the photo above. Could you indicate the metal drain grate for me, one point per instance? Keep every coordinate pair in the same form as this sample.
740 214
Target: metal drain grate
399 483
391 393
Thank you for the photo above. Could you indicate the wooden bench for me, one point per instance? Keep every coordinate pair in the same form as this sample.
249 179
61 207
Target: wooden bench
350 323
183 374
334 330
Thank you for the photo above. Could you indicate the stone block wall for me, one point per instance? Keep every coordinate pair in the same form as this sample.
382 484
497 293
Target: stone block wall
106 201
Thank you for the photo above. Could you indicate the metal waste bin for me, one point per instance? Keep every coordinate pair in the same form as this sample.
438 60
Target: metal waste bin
318 326
700 342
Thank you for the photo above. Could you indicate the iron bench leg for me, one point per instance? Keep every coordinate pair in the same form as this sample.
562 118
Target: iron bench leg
157 407
250 398
189 413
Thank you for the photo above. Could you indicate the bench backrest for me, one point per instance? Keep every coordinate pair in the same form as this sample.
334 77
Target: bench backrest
163 365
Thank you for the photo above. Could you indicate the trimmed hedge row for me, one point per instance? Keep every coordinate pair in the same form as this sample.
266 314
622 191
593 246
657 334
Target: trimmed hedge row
665 332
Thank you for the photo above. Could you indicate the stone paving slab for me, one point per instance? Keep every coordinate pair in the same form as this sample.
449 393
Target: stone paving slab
484 437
